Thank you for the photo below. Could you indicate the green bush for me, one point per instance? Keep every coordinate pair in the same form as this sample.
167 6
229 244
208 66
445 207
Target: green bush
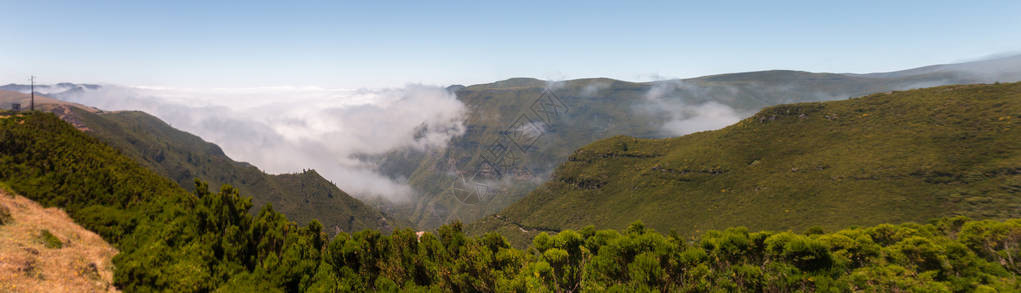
5 215
49 240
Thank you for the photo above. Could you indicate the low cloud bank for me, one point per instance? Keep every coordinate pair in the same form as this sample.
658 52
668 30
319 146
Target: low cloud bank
287 129
685 108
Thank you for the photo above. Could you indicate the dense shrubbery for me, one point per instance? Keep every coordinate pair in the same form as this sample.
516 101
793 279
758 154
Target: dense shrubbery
172 240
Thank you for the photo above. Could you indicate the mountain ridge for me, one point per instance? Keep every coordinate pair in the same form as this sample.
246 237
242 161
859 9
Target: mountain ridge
597 108
183 157
889 157
170 240
604 107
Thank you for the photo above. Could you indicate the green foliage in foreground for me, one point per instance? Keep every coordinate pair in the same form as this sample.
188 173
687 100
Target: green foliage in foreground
171 240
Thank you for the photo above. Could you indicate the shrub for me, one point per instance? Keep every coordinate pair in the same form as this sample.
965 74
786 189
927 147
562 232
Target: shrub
5 215
49 239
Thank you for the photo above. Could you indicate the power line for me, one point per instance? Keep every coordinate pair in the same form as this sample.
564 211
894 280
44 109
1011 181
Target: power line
32 92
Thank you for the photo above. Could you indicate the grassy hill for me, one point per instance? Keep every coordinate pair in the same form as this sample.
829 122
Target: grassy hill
891 157
600 108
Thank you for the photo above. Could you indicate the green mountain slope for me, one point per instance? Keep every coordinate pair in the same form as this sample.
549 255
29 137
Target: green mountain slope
894 157
49 161
593 109
183 157
169 240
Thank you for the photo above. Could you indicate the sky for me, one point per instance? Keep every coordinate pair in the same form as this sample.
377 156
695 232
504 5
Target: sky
374 44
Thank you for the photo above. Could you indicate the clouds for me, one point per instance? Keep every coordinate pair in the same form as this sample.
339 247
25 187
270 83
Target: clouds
686 108
694 118
1003 68
593 88
287 129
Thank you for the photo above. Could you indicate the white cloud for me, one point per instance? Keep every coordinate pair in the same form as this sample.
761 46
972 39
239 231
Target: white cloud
685 108
287 129
694 118
594 88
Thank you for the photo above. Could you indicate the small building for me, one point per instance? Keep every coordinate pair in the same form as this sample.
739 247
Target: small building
15 107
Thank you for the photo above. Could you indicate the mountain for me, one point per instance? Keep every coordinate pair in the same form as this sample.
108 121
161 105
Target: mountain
62 88
184 157
170 240
1003 68
9 97
889 157
520 129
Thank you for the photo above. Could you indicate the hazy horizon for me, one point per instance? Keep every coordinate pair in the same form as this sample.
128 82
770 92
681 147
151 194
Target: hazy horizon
372 45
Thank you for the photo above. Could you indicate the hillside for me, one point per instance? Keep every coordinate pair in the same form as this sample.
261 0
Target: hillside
50 162
517 132
892 157
504 155
184 157
170 240
8 97
43 250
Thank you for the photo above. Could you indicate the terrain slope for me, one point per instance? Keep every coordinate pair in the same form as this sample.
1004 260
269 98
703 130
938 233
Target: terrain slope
890 157
43 250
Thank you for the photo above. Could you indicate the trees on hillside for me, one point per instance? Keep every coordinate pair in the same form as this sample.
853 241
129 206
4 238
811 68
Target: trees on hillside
171 240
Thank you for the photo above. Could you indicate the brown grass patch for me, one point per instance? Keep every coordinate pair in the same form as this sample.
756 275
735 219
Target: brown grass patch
81 264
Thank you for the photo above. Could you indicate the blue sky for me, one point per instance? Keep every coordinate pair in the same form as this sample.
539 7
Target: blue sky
363 44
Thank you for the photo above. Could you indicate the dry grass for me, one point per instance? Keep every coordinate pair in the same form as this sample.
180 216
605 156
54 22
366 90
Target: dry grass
83 264
8 97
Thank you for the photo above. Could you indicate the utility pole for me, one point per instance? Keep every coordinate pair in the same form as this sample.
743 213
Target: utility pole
32 92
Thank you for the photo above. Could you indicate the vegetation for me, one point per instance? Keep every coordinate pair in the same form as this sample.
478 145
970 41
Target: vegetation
884 158
173 240
5 215
598 109
183 157
49 240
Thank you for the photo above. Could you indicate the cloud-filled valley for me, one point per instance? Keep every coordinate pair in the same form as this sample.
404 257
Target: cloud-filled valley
288 129
350 135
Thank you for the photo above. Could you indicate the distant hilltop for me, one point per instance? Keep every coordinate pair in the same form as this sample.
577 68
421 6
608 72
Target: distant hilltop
55 89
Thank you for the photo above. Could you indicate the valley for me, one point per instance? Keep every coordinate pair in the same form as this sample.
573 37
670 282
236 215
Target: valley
525 146
587 110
